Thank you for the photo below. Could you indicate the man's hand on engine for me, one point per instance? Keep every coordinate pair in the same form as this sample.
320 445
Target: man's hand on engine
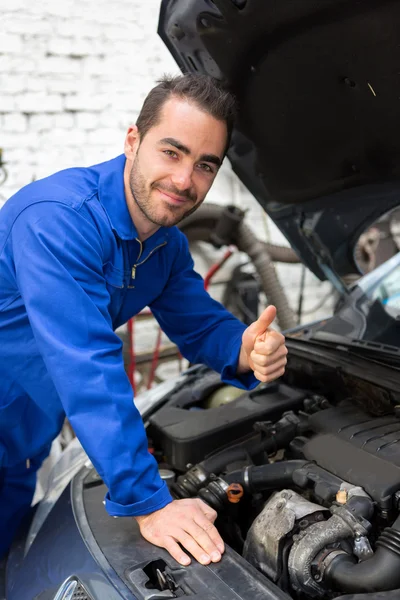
189 522
263 350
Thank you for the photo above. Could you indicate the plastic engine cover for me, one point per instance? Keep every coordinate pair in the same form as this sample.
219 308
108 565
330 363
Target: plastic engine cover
188 433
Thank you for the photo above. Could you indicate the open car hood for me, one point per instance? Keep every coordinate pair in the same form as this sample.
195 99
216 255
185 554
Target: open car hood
318 90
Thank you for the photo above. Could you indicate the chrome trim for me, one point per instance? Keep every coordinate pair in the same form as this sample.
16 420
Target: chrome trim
67 589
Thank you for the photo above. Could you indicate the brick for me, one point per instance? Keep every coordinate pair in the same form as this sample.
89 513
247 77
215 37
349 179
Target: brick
88 47
64 121
86 120
126 102
35 46
11 84
18 140
106 136
75 46
15 156
26 26
15 122
61 84
92 65
10 44
131 32
87 101
7 103
63 46
70 27
59 65
41 122
51 9
61 138
17 64
39 102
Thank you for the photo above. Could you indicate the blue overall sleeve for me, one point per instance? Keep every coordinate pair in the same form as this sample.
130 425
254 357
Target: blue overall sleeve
58 268
202 328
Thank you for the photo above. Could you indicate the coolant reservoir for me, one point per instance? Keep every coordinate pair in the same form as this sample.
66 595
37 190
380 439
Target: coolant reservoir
223 395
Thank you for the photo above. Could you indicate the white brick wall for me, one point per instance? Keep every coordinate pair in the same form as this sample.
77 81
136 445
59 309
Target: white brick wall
73 75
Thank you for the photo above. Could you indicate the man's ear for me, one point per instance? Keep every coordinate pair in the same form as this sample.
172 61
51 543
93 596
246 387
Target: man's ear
132 141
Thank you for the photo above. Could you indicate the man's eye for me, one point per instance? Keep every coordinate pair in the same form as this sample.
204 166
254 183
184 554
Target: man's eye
170 153
205 167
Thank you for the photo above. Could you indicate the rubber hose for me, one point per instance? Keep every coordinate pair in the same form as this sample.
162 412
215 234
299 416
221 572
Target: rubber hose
205 219
199 226
216 463
273 476
269 279
393 595
379 573
282 254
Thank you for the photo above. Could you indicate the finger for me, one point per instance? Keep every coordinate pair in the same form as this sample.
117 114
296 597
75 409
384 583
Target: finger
271 369
269 377
195 549
176 551
202 538
265 319
270 343
259 327
211 531
264 360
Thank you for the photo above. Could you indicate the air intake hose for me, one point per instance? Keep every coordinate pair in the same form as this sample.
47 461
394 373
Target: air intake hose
187 485
273 476
379 573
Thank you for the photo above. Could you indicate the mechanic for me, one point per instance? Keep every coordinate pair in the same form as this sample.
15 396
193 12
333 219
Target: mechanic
81 252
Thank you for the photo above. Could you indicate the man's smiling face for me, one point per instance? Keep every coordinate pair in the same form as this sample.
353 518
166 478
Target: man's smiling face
174 165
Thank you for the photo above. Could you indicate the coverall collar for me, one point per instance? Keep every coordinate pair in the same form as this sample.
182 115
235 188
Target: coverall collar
112 197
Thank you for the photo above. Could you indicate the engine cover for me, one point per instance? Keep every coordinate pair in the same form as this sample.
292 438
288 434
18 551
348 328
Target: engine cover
187 432
358 448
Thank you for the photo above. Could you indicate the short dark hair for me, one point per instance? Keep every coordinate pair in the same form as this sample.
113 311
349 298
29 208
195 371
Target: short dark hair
206 92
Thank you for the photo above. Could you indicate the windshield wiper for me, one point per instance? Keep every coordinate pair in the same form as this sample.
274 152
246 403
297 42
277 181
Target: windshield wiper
374 350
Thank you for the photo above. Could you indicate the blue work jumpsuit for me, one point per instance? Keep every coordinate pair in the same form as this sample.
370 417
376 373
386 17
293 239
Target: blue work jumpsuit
71 271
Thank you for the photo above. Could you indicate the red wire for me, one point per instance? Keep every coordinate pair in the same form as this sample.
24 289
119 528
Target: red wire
216 267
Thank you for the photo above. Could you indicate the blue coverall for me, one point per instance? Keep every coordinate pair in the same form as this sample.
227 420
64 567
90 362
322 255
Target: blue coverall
71 271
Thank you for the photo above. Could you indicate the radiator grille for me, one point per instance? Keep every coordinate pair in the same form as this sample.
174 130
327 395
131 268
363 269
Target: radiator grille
80 594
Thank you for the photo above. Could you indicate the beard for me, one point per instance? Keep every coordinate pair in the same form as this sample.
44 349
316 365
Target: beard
160 213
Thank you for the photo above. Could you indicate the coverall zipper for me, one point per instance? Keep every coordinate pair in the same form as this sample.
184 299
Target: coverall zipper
133 272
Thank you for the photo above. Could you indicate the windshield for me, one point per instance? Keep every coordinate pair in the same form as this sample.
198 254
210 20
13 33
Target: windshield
371 313
383 285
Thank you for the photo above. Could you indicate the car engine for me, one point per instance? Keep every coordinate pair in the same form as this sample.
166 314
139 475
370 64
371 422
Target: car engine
305 476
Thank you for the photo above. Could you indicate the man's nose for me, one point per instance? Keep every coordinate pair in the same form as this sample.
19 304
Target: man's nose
182 177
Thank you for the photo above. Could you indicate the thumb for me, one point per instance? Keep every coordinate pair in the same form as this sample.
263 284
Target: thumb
264 320
258 327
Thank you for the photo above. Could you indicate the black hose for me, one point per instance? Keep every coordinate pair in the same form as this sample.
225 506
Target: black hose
217 462
188 484
392 595
200 226
381 572
273 476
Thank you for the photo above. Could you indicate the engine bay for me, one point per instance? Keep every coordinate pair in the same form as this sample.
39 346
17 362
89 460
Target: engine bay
304 474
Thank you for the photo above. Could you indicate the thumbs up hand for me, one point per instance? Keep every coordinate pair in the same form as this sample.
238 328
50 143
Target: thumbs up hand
263 350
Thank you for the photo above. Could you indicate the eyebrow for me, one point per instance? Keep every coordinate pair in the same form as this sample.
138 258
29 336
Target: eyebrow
211 158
